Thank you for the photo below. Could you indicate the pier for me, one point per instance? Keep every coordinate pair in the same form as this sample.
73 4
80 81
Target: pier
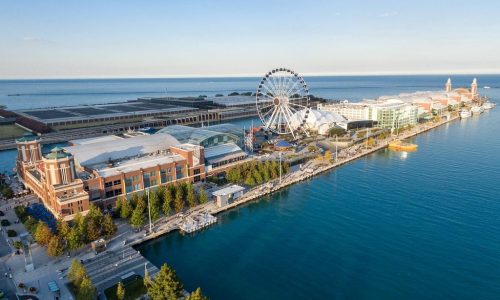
309 170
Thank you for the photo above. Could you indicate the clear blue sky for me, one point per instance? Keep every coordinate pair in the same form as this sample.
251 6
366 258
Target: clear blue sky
47 39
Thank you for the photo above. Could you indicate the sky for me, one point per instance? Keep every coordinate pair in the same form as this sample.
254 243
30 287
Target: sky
86 39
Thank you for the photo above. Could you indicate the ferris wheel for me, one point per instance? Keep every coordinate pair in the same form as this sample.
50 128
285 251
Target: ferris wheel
283 101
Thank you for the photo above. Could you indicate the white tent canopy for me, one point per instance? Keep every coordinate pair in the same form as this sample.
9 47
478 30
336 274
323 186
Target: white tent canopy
317 120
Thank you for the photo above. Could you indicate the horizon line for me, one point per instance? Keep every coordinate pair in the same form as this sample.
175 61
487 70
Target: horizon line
252 75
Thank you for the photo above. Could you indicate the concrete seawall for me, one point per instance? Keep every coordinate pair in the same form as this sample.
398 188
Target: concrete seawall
258 192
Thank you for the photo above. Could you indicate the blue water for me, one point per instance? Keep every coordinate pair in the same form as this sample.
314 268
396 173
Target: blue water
422 225
49 93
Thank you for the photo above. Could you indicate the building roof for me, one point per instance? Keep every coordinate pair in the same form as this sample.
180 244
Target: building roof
283 144
93 140
317 119
228 190
137 163
53 287
57 153
223 152
105 151
27 137
191 135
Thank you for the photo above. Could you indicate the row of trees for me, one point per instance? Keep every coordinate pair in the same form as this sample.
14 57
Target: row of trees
256 172
163 200
84 230
80 281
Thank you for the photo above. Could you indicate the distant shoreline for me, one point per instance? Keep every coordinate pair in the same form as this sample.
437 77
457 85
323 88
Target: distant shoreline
196 76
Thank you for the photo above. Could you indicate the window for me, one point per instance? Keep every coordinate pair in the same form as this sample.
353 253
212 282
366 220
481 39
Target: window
117 182
118 192
179 170
110 194
108 184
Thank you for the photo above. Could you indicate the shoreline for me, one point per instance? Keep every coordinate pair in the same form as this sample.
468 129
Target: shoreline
169 225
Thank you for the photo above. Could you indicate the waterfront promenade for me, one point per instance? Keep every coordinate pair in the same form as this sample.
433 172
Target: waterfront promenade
308 170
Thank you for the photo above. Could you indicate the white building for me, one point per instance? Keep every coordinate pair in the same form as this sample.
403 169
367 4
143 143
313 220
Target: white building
227 195
318 121
388 113
351 111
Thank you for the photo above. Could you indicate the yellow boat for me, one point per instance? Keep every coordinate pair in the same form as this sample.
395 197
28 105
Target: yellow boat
398 145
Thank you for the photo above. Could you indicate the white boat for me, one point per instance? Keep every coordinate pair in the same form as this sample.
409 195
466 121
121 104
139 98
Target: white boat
464 113
489 105
476 110
487 87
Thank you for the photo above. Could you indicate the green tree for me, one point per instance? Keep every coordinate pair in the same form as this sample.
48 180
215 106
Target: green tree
76 273
120 291
155 206
191 196
167 202
250 181
274 171
165 285
125 209
93 231
197 295
42 234
108 226
160 193
55 246
75 238
202 196
137 219
142 202
86 290
63 229
118 204
81 224
257 177
135 198
179 201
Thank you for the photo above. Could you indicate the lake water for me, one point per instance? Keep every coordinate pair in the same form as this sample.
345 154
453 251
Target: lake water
422 225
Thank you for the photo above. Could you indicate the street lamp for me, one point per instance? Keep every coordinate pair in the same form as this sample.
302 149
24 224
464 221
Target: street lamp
149 213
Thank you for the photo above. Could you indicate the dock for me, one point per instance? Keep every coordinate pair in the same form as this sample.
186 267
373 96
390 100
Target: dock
196 222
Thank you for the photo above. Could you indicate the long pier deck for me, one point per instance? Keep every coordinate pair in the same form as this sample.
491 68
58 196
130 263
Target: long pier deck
308 171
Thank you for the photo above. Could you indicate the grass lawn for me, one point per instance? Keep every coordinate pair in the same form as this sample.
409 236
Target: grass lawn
11 131
133 290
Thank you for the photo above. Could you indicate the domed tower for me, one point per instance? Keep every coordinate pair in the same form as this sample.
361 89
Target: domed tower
473 88
29 149
447 87
29 152
59 167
